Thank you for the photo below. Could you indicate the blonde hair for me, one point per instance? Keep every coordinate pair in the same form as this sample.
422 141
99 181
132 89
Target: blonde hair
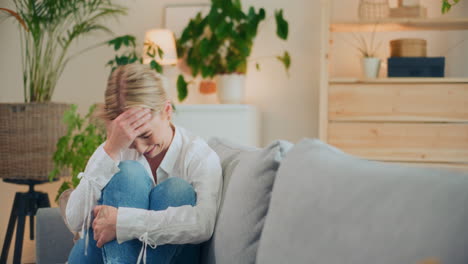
133 85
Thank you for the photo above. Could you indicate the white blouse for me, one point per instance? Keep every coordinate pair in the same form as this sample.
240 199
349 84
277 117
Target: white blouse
189 158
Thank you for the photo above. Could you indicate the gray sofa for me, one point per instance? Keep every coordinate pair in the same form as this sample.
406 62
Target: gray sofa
312 203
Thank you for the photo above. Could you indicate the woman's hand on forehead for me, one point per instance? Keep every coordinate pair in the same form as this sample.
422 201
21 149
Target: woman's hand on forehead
123 130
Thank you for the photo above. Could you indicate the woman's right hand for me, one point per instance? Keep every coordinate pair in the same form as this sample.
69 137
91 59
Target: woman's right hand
122 131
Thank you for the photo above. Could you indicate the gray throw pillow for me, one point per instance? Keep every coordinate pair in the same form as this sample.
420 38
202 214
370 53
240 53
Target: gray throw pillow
245 205
330 207
228 153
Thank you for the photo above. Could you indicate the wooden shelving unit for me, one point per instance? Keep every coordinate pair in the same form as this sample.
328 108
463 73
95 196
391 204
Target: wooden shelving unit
400 24
418 121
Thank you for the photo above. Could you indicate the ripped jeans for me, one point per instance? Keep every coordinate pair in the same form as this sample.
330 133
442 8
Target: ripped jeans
131 187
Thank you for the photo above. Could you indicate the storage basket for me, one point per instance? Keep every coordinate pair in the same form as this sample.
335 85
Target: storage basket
408 48
28 136
373 9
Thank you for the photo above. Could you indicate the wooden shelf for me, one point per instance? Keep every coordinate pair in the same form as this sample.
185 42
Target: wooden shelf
461 167
400 24
398 80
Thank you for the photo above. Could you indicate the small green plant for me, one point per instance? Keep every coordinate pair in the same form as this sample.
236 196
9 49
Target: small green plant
221 41
84 135
447 4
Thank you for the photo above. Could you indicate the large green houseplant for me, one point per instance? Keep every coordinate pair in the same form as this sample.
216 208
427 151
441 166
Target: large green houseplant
29 131
48 28
220 43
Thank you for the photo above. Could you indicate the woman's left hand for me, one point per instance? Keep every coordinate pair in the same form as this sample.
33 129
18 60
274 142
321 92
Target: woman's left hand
104 224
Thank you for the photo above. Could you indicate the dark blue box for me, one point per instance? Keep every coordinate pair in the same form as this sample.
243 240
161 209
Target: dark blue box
416 67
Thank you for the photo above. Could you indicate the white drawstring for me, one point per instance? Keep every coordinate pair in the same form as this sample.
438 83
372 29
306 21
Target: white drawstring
146 241
87 209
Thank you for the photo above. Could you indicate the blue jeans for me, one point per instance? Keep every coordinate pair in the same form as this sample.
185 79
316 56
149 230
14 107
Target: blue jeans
131 187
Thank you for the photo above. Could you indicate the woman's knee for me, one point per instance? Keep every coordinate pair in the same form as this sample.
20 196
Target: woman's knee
132 173
129 187
172 192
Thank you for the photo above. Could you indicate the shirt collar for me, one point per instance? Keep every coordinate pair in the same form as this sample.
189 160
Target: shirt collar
167 164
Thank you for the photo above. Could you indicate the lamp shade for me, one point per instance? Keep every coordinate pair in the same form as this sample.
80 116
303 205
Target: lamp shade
163 38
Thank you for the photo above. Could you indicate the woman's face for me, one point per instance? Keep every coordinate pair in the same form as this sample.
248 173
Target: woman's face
158 137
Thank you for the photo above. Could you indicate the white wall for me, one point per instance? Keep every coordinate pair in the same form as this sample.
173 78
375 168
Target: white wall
289 105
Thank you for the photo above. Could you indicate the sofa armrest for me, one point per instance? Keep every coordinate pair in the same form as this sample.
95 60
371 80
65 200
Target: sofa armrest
53 239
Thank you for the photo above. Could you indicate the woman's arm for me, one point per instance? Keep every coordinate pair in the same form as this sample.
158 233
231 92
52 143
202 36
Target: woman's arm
103 164
99 170
184 224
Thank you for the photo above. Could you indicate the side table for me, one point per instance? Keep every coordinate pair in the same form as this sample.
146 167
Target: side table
24 204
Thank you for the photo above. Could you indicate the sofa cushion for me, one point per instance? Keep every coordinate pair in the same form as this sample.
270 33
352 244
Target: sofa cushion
330 207
53 240
245 205
229 153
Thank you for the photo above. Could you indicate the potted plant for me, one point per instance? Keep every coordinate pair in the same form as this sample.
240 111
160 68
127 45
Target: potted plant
368 52
219 45
30 130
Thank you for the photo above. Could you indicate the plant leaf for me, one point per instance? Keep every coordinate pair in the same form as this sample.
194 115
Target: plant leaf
446 6
156 66
16 16
181 88
286 60
282 26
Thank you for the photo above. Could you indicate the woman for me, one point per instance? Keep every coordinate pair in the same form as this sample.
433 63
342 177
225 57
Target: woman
151 182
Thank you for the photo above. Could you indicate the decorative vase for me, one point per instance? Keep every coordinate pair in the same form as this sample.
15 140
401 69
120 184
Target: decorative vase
371 67
231 88
28 137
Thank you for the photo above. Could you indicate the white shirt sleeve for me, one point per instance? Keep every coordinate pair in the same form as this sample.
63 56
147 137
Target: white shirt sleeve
184 224
99 170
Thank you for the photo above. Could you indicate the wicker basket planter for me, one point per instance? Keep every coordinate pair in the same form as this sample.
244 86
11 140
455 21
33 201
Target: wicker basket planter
28 136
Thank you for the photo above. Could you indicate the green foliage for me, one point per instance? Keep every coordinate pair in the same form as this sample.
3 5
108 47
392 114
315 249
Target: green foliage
446 5
181 88
221 41
47 30
286 60
282 28
84 135
130 55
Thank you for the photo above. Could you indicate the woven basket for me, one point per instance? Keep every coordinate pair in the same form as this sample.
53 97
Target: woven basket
373 9
408 48
28 136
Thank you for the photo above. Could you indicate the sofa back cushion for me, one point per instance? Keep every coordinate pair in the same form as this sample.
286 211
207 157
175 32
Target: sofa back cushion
330 207
250 176
229 154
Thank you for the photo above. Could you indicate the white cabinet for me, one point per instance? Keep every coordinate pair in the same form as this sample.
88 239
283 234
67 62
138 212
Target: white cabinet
238 123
